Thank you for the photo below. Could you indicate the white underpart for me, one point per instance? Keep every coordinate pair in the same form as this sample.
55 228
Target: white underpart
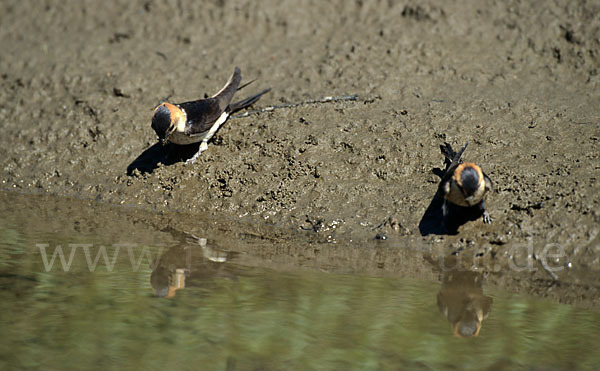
208 136
213 130
181 122
179 136
213 255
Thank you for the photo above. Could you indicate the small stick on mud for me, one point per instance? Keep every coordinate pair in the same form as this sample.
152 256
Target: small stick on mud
339 98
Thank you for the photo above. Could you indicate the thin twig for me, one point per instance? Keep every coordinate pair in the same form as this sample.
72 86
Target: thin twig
339 98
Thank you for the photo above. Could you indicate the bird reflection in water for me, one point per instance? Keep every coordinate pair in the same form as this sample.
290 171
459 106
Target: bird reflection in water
186 265
461 300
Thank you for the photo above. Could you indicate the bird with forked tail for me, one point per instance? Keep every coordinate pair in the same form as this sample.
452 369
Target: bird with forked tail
197 121
463 183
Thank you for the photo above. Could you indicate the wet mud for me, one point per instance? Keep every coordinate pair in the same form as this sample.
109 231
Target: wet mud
519 81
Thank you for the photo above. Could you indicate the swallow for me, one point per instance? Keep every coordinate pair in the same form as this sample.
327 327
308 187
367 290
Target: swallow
463 183
462 301
198 120
187 265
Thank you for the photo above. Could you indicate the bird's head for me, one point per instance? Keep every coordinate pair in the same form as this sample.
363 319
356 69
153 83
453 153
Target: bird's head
467 327
166 119
469 178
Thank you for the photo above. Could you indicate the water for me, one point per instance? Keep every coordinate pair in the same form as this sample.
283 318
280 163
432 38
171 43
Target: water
175 300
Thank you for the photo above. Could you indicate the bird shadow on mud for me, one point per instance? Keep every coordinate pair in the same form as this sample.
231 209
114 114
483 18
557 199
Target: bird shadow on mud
168 154
432 221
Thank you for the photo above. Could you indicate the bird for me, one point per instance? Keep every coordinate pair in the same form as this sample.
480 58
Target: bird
191 263
463 183
462 301
198 120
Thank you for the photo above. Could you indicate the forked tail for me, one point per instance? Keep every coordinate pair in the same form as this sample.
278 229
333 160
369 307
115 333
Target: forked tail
236 106
225 95
452 159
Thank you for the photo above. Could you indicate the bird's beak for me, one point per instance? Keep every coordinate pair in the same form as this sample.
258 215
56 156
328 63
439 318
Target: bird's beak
165 140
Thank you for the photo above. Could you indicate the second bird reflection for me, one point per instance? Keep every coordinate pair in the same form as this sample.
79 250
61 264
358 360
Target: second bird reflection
188 265
461 300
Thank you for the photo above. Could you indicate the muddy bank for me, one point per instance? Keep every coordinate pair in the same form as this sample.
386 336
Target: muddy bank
519 81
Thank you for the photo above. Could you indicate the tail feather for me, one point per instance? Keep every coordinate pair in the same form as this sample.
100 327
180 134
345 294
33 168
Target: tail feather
234 107
246 84
225 95
452 159
447 151
458 155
